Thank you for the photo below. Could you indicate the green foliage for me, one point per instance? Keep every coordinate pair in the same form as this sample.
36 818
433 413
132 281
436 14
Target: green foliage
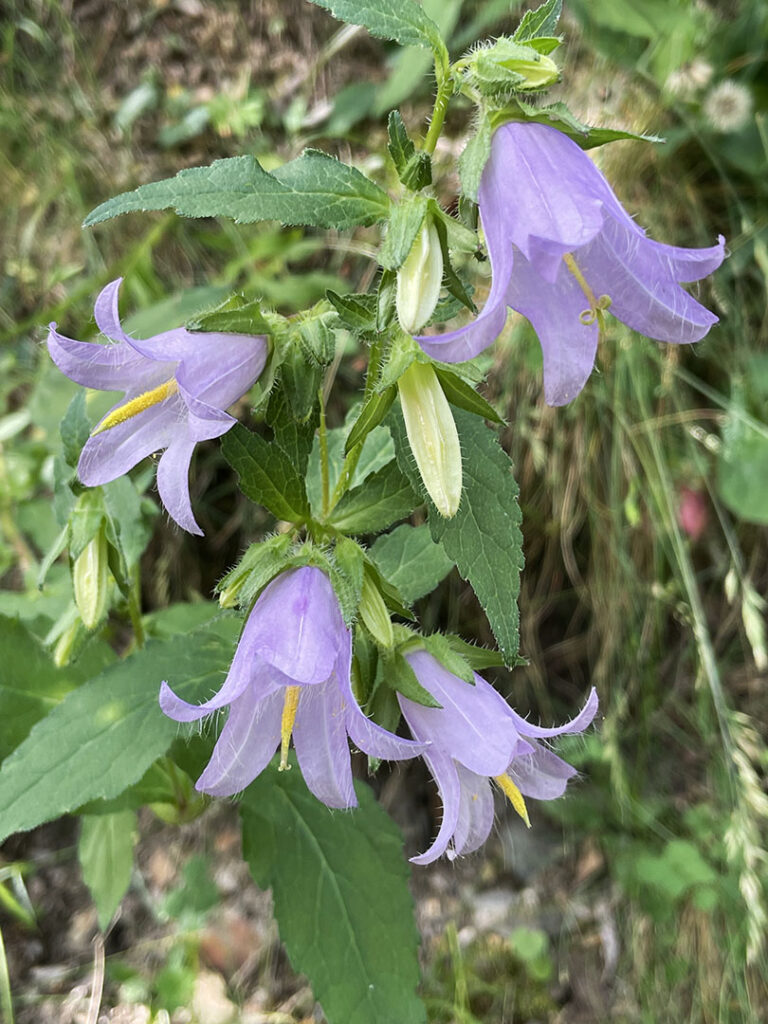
539 22
313 189
340 889
102 737
463 396
404 21
405 222
105 852
381 500
411 560
235 315
266 474
414 167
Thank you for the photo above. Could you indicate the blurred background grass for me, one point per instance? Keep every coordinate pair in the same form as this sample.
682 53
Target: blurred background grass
645 501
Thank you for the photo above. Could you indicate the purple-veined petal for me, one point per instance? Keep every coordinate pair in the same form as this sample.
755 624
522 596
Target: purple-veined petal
443 771
640 297
541 775
545 189
475 812
246 744
245 672
471 726
113 452
113 367
299 628
672 262
568 346
173 484
320 738
222 367
204 422
577 724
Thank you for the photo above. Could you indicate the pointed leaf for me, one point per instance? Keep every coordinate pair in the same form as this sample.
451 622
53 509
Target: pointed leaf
105 852
411 560
266 474
401 20
540 22
385 497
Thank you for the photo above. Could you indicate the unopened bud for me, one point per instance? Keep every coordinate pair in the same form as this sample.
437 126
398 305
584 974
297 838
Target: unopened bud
419 280
538 74
90 578
432 435
228 596
66 645
374 613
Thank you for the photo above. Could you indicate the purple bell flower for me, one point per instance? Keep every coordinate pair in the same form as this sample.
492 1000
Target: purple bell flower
563 250
177 385
291 676
475 737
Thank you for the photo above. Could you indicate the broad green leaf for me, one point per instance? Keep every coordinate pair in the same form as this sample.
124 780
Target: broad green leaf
405 220
75 428
31 685
105 852
129 524
742 475
294 437
381 500
266 474
103 736
236 315
409 558
464 396
540 22
401 20
484 537
377 451
314 189
340 889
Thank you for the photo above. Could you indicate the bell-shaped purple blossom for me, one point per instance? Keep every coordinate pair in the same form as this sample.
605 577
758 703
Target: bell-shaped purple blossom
177 385
291 675
475 736
563 250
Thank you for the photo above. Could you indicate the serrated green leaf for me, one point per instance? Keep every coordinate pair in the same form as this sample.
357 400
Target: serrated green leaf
340 885
411 560
235 315
104 735
293 436
266 474
484 537
371 415
404 21
464 396
385 497
540 22
31 685
474 158
357 312
315 189
105 852
75 429
405 221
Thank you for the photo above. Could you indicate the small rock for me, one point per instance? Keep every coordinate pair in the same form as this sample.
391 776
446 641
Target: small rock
490 909
210 1004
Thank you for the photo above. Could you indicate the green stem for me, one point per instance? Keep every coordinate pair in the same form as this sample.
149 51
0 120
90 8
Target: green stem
323 437
440 109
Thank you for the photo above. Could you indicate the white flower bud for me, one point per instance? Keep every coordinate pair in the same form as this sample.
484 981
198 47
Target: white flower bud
90 578
432 435
374 613
419 280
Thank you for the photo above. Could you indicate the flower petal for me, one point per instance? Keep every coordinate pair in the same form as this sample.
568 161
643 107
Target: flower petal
320 738
246 744
443 770
541 775
113 452
296 625
222 367
245 672
680 264
568 345
475 812
614 264
204 421
103 367
577 724
173 484
472 725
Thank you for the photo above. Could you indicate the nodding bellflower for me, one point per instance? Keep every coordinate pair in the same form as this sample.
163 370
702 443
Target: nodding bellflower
291 677
563 250
177 385
475 737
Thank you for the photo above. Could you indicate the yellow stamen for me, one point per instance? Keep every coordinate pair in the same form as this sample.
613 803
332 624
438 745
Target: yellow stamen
290 707
137 405
597 307
514 796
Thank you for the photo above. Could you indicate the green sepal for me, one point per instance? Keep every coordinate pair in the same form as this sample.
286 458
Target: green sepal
386 296
402 351
475 156
460 237
451 280
440 648
478 658
559 116
258 566
405 220
371 415
235 315
347 566
85 521
398 675
464 396
393 599
357 311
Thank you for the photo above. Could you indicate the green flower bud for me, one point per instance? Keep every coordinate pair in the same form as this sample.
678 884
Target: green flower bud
432 435
90 577
538 74
419 280
66 645
374 613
